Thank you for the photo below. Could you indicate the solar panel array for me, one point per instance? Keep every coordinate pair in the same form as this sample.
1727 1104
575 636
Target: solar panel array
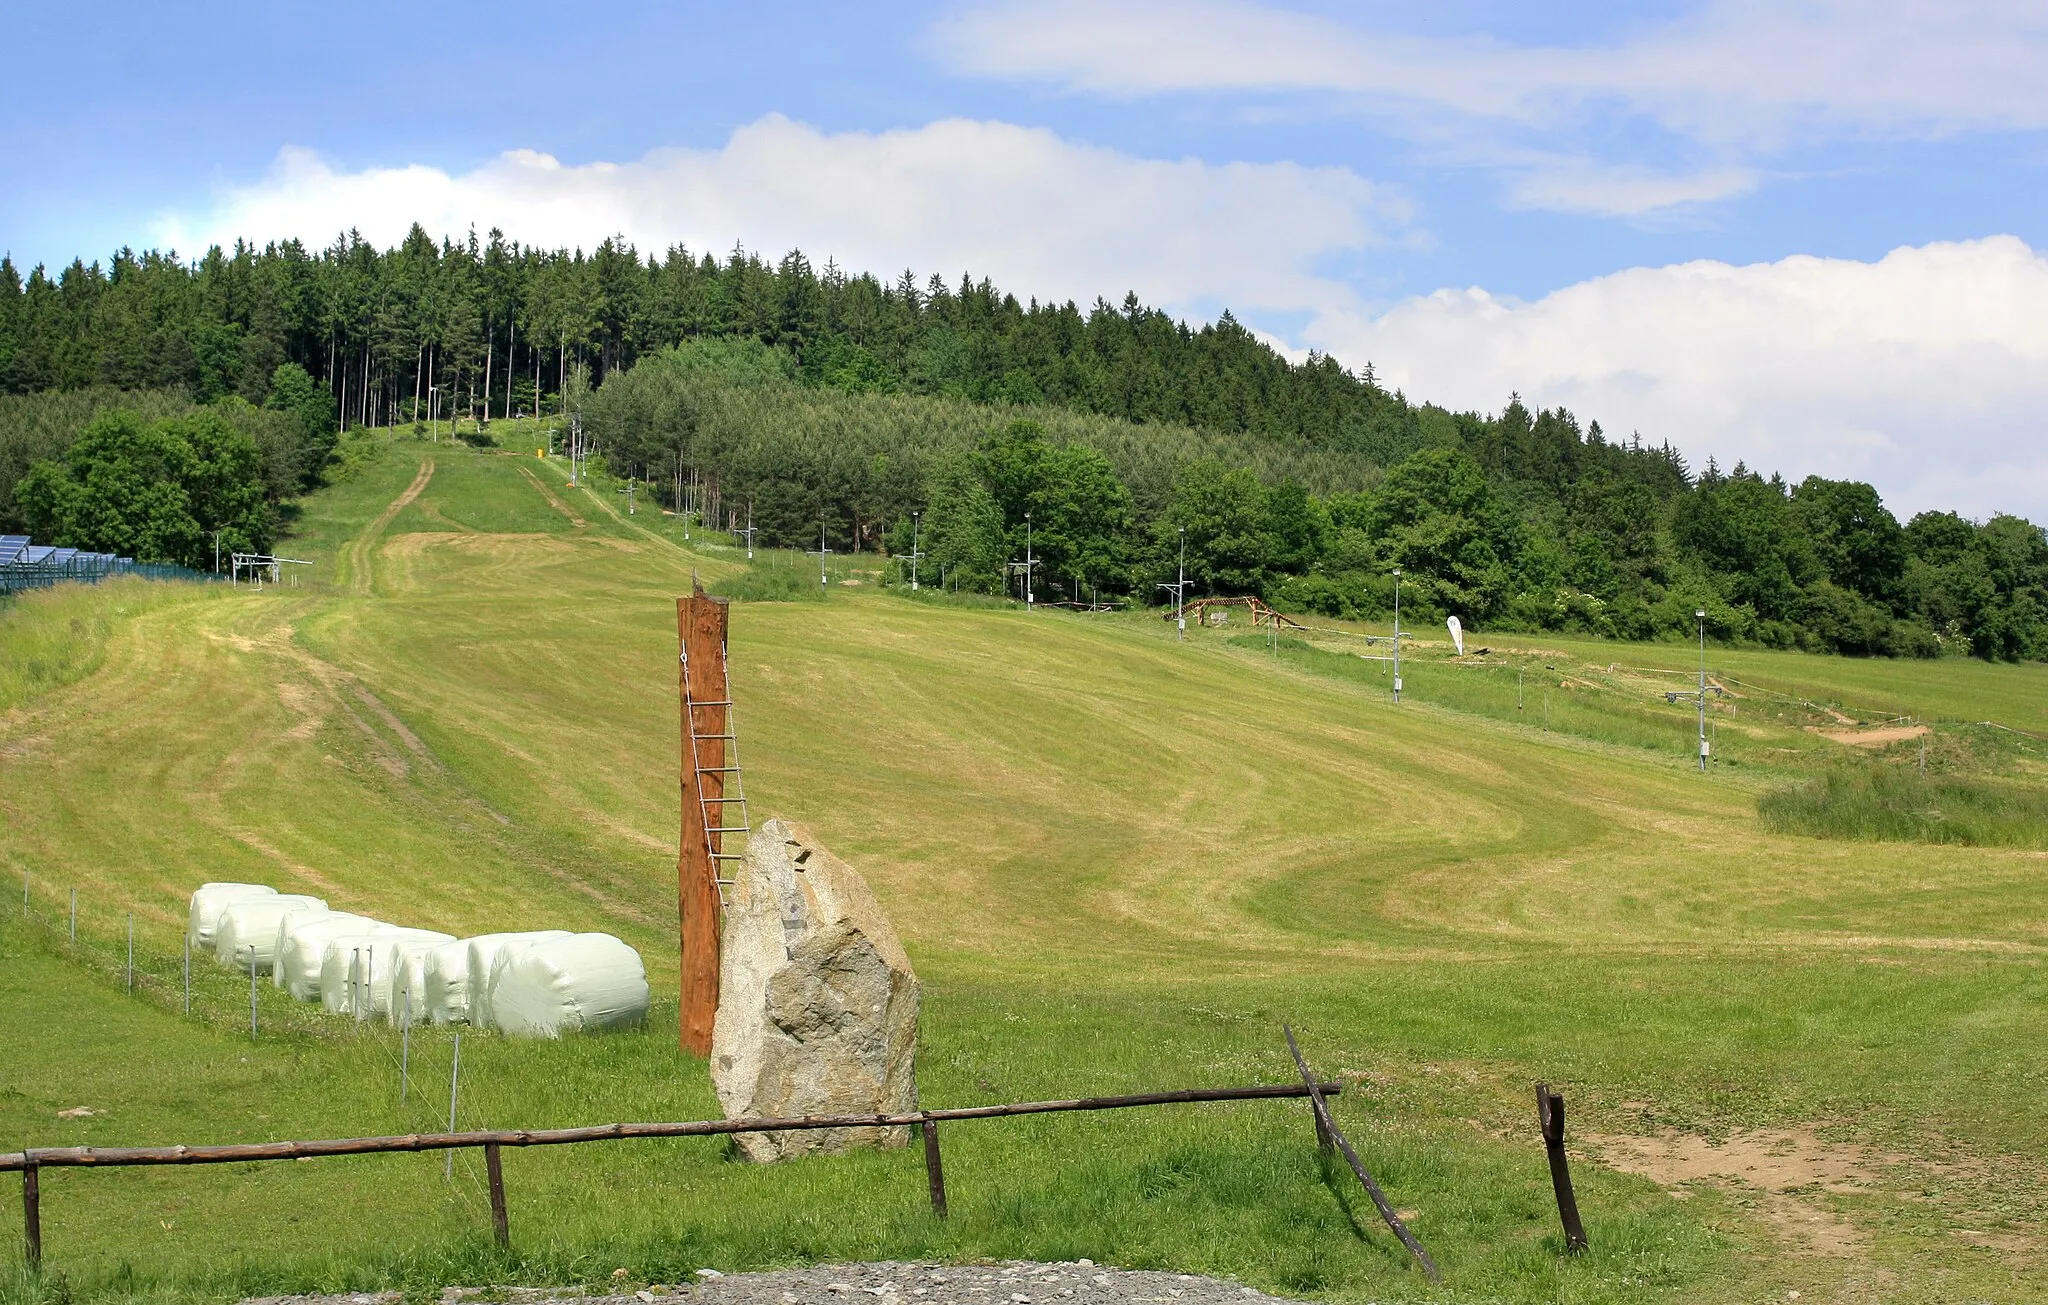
25 564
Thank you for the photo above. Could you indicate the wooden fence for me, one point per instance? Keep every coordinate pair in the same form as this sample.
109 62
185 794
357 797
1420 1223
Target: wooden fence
29 1162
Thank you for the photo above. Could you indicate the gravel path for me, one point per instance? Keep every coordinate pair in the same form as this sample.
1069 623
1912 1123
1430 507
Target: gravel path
1010 1283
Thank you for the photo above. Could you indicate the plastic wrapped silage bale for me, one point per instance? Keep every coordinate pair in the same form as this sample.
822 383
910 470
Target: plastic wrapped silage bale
469 989
208 901
586 981
405 989
355 968
247 932
343 958
301 939
445 981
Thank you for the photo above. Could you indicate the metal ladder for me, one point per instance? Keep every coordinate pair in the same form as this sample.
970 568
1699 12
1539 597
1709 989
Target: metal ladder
717 812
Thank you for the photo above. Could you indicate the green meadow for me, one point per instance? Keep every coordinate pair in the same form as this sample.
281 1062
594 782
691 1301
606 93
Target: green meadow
1119 861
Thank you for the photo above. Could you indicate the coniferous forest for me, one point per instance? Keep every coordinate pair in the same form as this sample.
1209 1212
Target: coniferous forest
156 407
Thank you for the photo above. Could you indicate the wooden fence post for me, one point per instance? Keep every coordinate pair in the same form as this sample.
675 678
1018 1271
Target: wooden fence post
701 629
1328 1125
494 1170
1550 1118
32 1214
934 1169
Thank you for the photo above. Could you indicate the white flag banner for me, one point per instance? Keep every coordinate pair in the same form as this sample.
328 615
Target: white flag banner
1457 635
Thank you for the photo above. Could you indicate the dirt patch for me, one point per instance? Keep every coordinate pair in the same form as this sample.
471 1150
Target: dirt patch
1785 1165
553 502
396 726
1872 738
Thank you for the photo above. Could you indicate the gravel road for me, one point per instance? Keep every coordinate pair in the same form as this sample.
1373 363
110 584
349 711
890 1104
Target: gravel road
1011 1283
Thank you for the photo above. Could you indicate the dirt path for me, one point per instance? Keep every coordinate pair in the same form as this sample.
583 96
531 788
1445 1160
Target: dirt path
1858 738
548 494
356 556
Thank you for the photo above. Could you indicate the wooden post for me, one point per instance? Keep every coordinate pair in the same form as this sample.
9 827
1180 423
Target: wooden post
1550 1118
1372 1189
32 1214
701 627
494 1170
934 1170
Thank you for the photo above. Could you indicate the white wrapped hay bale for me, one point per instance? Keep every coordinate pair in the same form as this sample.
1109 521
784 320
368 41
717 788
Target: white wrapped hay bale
586 981
445 981
481 955
247 932
208 901
405 993
302 938
355 968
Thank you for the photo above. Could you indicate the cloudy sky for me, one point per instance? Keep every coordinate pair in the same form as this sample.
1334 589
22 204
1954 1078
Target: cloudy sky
1801 233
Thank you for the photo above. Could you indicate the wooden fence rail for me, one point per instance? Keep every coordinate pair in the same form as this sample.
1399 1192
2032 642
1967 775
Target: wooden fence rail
33 1159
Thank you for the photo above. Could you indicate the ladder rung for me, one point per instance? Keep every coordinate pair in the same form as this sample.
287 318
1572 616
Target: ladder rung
727 829
740 798
727 703
727 856
718 770
706 738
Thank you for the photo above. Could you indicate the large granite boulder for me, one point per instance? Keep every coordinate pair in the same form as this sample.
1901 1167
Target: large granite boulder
817 1005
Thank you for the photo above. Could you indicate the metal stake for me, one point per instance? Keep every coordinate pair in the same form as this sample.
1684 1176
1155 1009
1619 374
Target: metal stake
454 1080
188 974
252 992
405 1046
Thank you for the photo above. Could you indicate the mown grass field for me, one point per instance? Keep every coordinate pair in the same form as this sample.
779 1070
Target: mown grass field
1119 862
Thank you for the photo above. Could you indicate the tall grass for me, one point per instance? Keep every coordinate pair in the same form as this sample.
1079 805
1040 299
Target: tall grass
1891 804
772 579
52 637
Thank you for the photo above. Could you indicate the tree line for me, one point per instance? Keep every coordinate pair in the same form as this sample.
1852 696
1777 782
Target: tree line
816 397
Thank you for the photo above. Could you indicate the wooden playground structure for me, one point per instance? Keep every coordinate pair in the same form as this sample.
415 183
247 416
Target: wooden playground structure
1262 615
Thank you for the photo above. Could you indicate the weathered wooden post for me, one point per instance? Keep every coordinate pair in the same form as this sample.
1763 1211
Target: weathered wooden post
1327 1126
32 1214
701 681
494 1170
934 1169
1550 1118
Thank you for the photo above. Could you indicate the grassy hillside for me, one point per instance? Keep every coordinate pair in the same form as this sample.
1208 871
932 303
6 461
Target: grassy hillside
1118 862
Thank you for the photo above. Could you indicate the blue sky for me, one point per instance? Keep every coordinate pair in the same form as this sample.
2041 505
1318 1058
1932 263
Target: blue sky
1785 232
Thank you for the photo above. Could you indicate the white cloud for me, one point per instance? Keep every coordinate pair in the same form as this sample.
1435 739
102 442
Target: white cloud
1738 68
1037 213
1925 373
1730 83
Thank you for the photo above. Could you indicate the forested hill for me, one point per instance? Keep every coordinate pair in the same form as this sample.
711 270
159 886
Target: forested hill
379 327
816 396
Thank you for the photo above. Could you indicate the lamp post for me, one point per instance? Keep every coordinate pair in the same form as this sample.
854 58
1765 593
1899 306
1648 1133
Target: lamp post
1701 615
1699 695
1397 635
1179 589
1028 564
914 554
